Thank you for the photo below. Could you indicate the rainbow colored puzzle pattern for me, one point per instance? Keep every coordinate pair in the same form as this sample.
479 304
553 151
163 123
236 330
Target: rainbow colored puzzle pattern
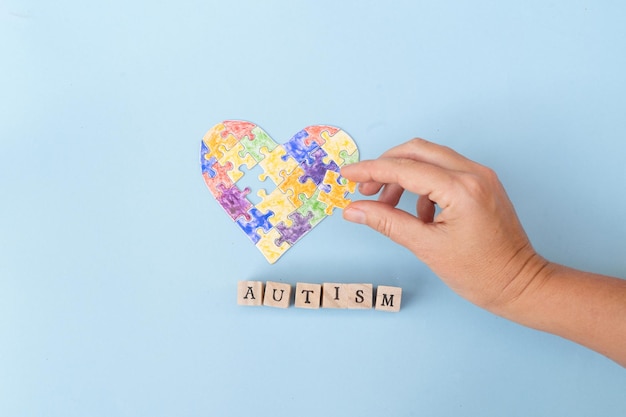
305 170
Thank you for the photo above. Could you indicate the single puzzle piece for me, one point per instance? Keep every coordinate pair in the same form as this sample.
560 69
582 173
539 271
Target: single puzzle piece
233 155
300 227
258 220
269 247
348 158
315 133
253 147
220 178
273 164
338 192
291 185
306 191
339 142
234 201
239 129
317 170
297 149
277 202
313 205
218 134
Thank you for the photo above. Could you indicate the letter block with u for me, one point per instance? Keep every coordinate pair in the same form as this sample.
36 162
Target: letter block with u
277 294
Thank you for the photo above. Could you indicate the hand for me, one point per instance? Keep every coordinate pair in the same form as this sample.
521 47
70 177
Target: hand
475 244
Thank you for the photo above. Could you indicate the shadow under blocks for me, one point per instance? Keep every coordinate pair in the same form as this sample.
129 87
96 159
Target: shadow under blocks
314 296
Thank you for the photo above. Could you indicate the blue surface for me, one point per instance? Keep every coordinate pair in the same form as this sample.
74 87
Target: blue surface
118 270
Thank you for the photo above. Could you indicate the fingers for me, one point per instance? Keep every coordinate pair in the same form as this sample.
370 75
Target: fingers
407 174
425 209
398 225
424 151
418 150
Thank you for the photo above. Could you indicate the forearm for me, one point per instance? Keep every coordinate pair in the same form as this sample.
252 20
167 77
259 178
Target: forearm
589 309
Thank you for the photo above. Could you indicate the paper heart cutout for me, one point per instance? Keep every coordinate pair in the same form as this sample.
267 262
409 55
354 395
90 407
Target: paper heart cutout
305 170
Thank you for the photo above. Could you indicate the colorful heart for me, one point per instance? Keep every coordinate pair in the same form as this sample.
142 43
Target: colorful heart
305 170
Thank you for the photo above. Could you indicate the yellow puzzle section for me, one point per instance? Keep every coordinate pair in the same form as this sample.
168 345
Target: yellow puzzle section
279 203
234 156
336 196
267 245
273 164
340 141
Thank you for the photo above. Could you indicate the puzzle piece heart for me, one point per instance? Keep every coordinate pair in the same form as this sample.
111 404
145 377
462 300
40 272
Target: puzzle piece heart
305 170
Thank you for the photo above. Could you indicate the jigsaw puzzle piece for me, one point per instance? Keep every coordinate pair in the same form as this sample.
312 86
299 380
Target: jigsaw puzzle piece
234 201
340 141
278 203
220 178
253 147
339 188
258 220
207 162
234 155
239 129
297 149
273 164
315 133
346 158
292 186
299 227
218 135
317 170
313 205
268 246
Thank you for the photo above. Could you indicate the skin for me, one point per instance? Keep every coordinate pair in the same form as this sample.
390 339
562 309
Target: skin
478 247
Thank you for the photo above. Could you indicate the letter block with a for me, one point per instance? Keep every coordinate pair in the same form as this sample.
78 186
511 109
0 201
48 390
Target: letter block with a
250 293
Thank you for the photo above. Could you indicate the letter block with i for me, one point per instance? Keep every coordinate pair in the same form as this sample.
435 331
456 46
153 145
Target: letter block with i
250 293
335 295
277 294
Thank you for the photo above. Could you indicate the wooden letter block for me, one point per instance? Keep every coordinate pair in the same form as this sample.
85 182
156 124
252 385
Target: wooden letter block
334 295
277 294
308 295
360 295
388 298
250 293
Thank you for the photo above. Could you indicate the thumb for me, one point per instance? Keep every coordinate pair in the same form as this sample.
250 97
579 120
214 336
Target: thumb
398 225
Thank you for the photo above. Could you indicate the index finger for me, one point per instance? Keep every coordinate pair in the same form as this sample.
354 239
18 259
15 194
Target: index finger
418 177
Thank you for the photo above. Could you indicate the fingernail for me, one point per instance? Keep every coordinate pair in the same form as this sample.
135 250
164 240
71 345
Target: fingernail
354 215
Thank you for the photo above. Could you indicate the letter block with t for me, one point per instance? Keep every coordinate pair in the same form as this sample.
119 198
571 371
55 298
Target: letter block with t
308 295
277 294
250 293
388 298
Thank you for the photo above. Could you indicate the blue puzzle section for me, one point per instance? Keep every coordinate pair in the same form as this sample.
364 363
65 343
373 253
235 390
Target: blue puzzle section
298 150
258 220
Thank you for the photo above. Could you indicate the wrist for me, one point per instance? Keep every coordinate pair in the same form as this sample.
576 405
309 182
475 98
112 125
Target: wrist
525 277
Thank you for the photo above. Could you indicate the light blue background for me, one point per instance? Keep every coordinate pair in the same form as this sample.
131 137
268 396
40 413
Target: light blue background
118 270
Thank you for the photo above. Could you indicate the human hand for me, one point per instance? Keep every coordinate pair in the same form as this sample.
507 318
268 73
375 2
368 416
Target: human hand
475 244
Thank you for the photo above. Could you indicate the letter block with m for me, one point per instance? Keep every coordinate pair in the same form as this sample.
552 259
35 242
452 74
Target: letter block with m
388 298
